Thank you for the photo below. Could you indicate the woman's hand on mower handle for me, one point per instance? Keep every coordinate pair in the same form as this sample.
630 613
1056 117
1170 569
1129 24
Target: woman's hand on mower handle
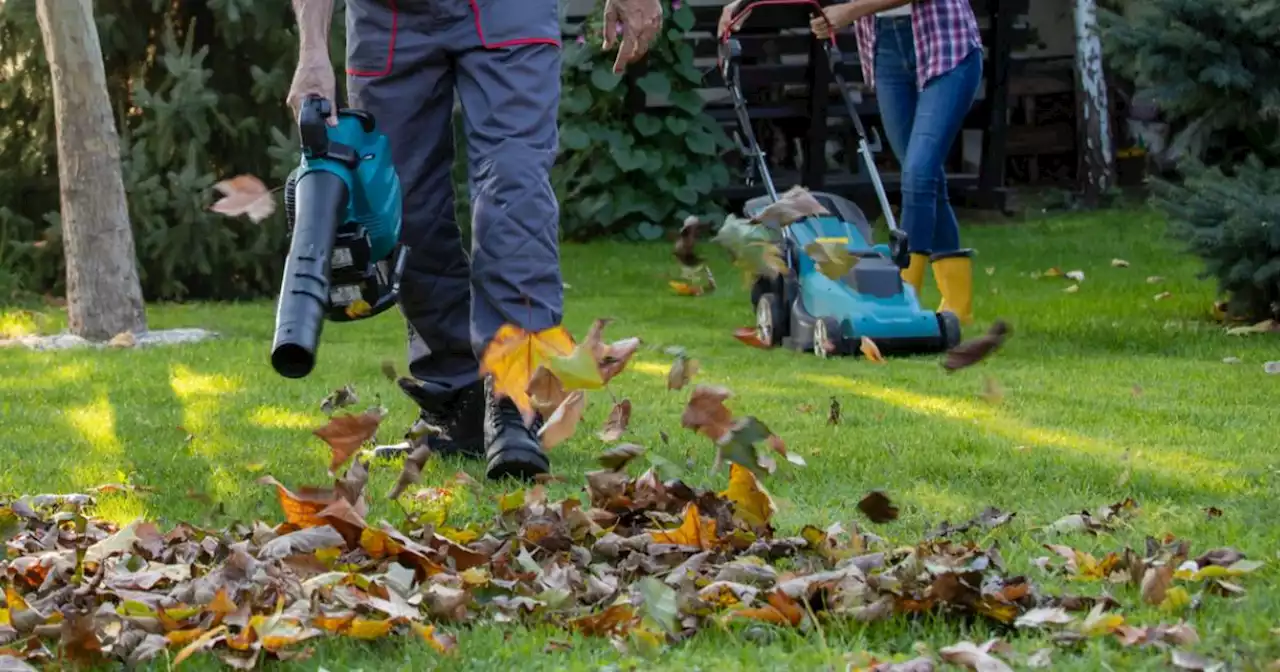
836 18
726 18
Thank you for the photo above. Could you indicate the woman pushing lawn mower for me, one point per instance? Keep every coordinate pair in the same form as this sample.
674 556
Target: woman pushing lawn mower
924 60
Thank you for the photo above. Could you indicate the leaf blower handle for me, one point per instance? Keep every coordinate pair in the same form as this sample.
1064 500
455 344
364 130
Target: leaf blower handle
313 125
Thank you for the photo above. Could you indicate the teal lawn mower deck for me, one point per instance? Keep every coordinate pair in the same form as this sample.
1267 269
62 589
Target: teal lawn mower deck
803 309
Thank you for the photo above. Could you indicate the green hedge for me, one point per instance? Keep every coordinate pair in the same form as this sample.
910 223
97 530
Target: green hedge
199 87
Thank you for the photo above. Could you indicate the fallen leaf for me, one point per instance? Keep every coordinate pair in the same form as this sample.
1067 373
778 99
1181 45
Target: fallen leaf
687 241
1041 616
792 205
706 412
833 415
514 354
1072 289
1263 327
832 259
1154 279
411 471
1078 276
616 424
751 337
244 195
877 507
1162 296
682 371
564 422
346 433
616 459
871 351
684 288
1041 658
1186 660
693 531
970 655
752 502
1119 263
971 352
124 339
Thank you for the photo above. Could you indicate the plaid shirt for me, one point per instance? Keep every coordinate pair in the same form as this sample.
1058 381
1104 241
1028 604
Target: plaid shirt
946 31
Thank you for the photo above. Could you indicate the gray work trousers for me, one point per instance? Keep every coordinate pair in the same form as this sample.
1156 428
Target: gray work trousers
406 62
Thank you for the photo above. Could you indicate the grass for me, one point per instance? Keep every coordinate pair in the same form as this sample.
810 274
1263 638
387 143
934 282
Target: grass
1108 393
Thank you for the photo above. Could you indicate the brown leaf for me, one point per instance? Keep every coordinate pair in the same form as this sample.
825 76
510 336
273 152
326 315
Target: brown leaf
684 288
564 422
617 458
751 337
974 657
411 471
346 433
833 415
877 507
616 425
244 195
792 205
973 351
685 244
301 509
682 371
706 412
1155 582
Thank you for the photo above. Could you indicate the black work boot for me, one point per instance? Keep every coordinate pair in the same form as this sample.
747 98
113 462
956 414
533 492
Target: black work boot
512 448
459 415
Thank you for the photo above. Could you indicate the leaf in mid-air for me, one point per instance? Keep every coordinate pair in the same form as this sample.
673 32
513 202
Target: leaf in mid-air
515 354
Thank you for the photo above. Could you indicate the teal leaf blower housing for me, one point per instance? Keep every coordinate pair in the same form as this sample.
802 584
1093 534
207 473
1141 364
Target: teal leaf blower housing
343 205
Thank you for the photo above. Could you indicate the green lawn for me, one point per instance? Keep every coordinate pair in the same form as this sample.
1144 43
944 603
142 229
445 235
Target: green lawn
1108 393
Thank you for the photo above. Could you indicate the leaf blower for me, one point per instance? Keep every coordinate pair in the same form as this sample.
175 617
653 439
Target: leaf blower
343 208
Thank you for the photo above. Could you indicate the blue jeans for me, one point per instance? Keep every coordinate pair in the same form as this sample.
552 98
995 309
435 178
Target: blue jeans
921 127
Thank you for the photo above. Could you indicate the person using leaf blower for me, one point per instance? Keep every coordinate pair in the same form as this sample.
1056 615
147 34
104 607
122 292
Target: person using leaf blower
405 62
924 60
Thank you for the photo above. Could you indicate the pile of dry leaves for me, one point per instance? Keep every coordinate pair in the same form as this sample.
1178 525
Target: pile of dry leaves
643 560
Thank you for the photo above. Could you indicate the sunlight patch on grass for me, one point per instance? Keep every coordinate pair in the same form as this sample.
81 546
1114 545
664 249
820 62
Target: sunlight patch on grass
274 417
200 395
96 424
1166 462
20 323
938 501
70 373
121 510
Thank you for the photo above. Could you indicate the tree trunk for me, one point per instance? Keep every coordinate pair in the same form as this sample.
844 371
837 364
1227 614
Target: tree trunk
1097 160
104 296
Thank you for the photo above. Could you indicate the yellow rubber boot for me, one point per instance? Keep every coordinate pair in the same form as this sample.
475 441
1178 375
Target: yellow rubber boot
954 275
913 274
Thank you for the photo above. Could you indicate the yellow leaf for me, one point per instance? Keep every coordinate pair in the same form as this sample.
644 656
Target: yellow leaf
578 371
476 576
199 643
871 351
363 628
511 501
695 531
1175 599
438 641
750 500
514 354
378 544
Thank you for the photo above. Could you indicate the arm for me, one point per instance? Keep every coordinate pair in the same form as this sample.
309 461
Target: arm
314 19
314 75
848 13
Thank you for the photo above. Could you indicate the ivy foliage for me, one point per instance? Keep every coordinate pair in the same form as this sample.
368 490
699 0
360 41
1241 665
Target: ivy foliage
625 169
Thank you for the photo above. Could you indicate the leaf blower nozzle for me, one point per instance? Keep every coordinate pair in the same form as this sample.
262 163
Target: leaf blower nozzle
320 199
343 208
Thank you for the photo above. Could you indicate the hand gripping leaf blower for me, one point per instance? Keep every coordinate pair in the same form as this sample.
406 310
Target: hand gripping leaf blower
343 208
802 308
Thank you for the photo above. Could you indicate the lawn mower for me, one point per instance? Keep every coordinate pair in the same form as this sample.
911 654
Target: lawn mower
803 309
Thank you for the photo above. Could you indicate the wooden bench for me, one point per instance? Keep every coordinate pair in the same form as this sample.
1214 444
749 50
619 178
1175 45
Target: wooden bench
782 63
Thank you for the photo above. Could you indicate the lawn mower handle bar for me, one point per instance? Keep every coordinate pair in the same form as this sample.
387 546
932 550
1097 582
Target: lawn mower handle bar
730 52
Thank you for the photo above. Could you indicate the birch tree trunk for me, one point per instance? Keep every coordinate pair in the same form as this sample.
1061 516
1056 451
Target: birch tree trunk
1097 160
104 296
